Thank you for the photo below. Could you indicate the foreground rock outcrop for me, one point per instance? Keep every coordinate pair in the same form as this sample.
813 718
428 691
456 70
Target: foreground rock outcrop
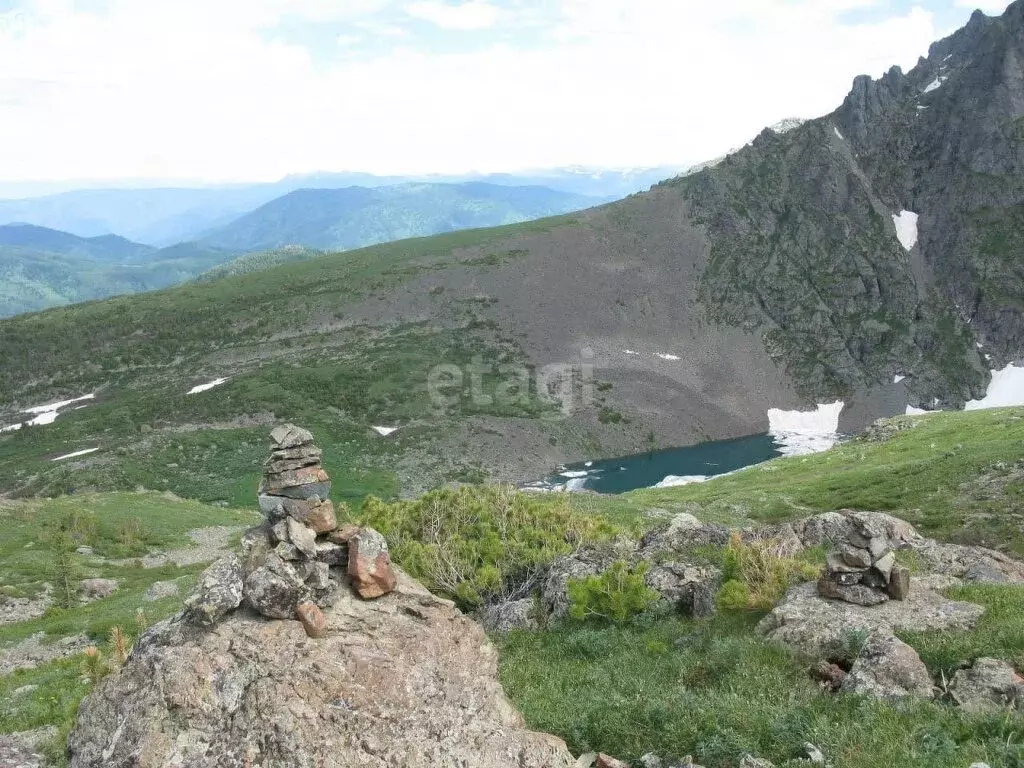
816 626
405 680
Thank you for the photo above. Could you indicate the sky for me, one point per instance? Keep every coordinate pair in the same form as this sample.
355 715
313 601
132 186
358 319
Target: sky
252 90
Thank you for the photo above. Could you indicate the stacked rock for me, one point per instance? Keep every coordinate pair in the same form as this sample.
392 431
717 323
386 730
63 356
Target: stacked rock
294 561
863 571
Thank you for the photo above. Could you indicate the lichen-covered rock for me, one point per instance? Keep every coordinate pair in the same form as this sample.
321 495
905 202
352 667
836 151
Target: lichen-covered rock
888 668
815 625
835 528
332 554
407 681
369 564
218 592
988 684
970 563
257 543
319 489
275 589
858 594
682 534
290 436
510 615
687 588
302 537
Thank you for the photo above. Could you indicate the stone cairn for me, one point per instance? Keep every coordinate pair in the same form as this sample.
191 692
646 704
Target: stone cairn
863 571
294 562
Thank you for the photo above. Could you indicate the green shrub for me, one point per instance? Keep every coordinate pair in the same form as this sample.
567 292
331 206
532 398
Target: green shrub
756 575
478 543
733 596
617 595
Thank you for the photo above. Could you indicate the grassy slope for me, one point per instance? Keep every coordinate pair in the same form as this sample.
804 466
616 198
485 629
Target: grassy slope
715 690
283 331
668 685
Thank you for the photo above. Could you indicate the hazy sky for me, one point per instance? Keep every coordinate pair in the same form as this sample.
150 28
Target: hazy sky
256 89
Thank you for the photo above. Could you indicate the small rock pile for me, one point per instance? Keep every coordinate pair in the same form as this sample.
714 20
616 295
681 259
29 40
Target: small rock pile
292 564
863 571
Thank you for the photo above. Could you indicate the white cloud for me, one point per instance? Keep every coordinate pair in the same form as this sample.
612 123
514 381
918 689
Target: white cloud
989 7
199 89
464 16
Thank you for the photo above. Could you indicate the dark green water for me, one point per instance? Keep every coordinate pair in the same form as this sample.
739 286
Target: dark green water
648 469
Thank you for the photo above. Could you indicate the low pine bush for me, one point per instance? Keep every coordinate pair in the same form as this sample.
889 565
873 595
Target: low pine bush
617 595
477 544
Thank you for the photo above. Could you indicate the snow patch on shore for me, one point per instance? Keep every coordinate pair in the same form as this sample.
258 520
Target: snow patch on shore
673 481
799 433
906 228
1006 389
385 431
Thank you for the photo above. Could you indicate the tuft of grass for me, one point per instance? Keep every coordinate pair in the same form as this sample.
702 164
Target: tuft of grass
757 575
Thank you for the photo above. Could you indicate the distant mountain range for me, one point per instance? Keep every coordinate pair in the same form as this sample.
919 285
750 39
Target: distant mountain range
164 216
340 219
42 267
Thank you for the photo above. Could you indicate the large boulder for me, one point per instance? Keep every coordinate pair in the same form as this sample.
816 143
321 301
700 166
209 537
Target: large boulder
969 563
406 680
218 592
682 533
815 626
986 685
836 528
888 668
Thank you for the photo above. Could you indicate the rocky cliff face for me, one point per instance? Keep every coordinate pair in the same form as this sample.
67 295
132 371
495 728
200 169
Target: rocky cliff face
805 249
